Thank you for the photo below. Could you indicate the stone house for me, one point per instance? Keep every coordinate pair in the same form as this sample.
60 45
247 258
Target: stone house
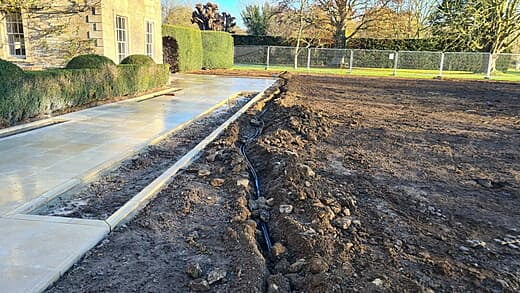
48 33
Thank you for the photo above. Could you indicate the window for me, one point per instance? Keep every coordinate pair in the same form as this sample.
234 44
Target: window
15 34
121 37
149 38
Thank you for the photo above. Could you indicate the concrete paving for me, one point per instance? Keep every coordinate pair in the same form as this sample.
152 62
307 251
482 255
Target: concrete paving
36 250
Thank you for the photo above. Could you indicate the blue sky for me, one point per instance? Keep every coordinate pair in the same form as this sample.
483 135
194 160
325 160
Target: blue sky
234 7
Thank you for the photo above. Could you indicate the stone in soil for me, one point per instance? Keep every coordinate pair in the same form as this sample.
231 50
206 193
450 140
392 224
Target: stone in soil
199 285
193 270
216 275
217 182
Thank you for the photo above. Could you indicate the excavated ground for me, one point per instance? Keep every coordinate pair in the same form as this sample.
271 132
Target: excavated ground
369 184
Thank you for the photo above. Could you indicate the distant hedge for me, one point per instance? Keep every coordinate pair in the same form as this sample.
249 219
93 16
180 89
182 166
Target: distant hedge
201 49
218 50
43 92
189 41
427 44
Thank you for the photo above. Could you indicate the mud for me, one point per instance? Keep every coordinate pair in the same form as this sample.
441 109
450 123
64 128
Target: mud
370 185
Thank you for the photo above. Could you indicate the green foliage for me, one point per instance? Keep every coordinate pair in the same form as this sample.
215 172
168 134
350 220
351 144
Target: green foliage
218 50
201 49
9 72
189 41
258 18
90 61
42 92
241 40
138 60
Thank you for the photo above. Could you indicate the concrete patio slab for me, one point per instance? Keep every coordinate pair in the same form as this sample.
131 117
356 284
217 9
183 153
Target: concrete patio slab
35 251
37 161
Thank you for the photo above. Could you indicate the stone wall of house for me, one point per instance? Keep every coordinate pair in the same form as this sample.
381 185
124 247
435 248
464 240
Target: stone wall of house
58 30
55 31
137 12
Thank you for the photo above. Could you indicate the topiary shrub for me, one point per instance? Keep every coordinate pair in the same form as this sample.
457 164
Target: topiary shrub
138 60
90 61
10 71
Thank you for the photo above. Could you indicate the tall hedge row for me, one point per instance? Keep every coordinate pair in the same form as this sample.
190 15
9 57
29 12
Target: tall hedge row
201 49
42 92
218 50
190 45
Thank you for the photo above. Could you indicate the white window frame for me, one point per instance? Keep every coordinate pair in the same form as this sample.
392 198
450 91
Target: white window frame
121 37
149 38
14 28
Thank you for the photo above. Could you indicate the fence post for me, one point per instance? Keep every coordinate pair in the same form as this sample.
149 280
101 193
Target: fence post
396 57
268 56
309 59
350 65
489 67
441 66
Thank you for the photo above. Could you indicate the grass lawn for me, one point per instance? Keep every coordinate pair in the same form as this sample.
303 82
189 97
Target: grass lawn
409 73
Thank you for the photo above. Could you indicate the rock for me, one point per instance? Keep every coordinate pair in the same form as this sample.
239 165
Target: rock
346 212
216 275
476 243
464 248
342 223
356 222
278 283
199 285
204 172
307 184
212 157
318 265
243 182
193 270
255 122
297 266
484 182
286 208
270 202
378 282
278 249
307 170
217 182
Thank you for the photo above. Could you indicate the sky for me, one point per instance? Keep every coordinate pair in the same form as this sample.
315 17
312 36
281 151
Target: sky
231 6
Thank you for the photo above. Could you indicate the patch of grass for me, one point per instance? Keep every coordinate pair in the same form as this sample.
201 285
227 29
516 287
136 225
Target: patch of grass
513 76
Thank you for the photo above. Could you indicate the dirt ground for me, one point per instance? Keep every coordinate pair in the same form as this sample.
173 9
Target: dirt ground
369 184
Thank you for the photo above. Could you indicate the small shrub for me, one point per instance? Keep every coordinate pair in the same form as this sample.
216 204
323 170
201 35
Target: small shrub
9 71
138 60
90 61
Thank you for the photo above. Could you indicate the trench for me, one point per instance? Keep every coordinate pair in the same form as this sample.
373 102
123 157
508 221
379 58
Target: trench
259 126
258 123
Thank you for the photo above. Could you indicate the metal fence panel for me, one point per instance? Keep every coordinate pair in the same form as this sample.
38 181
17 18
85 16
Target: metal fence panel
404 63
252 55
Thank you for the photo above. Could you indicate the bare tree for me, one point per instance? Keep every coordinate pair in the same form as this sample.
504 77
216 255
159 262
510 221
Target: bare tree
357 13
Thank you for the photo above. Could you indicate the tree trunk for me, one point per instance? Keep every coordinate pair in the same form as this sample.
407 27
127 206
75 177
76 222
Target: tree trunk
339 38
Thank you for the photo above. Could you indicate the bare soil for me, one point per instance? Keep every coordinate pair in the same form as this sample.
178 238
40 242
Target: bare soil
369 184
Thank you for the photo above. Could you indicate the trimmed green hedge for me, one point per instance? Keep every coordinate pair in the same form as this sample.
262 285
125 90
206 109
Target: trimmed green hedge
218 50
138 60
91 61
201 49
43 92
190 45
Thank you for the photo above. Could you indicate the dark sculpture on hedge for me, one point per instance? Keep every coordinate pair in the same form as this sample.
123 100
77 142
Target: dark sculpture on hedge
208 18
